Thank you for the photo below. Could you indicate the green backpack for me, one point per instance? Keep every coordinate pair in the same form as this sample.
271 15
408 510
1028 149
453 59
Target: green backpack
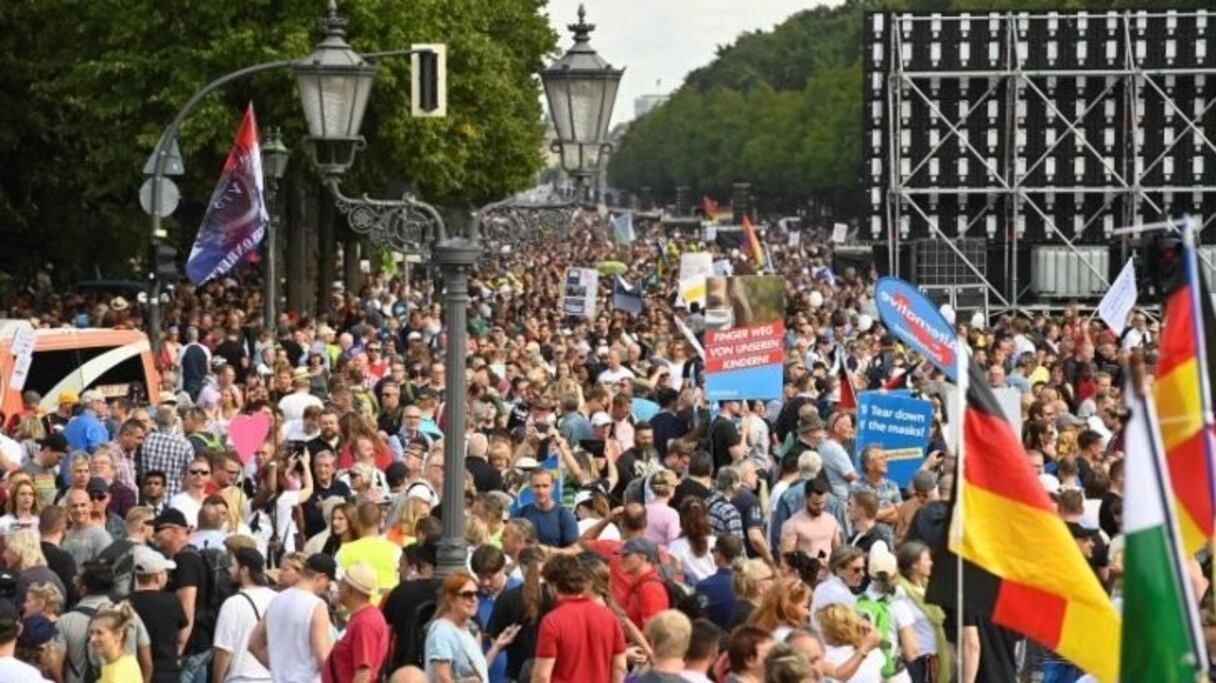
879 613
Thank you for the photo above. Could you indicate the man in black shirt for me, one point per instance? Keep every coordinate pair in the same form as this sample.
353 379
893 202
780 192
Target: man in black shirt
52 524
232 350
639 461
330 438
668 423
697 483
724 435
405 606
191 584
325 485
161 612
476 461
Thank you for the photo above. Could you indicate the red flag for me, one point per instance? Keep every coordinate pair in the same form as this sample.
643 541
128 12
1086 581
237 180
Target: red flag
848 395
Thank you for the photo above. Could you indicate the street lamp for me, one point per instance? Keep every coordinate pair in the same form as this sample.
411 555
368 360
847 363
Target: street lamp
274 165
581 89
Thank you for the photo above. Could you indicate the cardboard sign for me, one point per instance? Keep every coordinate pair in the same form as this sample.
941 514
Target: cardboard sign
694 268
579 292
23 349
899 424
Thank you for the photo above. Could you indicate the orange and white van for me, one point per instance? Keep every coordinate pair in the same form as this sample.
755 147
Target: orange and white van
76 360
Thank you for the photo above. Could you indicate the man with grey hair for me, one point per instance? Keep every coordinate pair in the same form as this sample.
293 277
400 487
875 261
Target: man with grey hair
751 512
874 479
166 451
724 518
476 460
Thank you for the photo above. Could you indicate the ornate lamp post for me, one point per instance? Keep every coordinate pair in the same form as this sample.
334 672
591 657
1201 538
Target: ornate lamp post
581 89
275 156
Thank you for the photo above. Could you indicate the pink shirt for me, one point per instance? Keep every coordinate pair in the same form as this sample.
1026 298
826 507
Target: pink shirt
662 524
814 534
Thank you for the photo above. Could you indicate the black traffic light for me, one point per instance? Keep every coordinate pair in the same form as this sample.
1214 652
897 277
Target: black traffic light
164 262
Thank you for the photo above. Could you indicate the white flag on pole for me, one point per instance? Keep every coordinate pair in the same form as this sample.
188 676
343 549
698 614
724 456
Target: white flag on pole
1119 300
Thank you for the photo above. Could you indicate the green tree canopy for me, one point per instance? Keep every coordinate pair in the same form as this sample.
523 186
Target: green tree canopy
87 86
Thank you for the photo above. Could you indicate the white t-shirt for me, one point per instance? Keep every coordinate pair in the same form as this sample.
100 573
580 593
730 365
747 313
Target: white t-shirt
13 670
926 641
610 532
870 670
830 591
285 524
610 376
189 507
695 568
232 629
294 404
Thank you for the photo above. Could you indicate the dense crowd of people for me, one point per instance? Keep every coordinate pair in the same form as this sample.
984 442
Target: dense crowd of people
619 526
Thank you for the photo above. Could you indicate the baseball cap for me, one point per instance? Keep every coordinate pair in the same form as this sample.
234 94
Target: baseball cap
147 561
422 491
97 485
170 517
882 561
68 396
320 563
92 395
601 419
641 546
55 442
36 631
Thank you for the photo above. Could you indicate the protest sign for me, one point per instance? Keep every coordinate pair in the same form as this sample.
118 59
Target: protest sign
840 233
579 293
23 349
916 321
744 339
723 268
1120 299
694 268
901 425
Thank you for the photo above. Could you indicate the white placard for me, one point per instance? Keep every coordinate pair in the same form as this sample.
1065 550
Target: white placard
794 239
1119 300
23 350
694 268
840 233
579 293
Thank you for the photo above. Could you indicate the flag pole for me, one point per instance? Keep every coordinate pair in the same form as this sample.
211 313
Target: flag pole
956 529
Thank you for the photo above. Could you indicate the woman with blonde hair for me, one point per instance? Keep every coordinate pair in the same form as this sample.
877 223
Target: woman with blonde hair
783 609
22 507
662 522
23 554
43 599
107 635
848 641
401 529
750 580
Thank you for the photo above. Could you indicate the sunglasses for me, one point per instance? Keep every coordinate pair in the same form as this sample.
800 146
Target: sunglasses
201 473
98 496
859 569
467 595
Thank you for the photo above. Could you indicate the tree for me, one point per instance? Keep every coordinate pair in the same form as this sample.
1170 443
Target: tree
88 86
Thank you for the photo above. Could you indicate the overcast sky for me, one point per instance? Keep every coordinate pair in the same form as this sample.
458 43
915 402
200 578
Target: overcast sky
662 40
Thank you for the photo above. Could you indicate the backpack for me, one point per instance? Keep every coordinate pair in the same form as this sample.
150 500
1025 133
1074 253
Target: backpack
219 587
90 673
879 613
680 597
413 645
121 555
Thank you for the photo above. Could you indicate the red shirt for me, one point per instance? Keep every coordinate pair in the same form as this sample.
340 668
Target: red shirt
587 637
641 597
365 644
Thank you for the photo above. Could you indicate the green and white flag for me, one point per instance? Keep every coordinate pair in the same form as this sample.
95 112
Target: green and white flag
1162 637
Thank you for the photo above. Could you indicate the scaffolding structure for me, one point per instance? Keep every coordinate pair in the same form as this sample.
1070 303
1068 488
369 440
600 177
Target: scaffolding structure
1040 133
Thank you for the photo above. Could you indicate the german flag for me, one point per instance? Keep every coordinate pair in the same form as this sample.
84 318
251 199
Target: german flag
848 394
1182 392
1024 570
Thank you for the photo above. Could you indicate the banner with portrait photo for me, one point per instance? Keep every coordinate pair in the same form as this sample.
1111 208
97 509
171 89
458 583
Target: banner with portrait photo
744 337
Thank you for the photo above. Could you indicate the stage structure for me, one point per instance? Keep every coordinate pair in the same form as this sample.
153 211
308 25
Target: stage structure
1003 150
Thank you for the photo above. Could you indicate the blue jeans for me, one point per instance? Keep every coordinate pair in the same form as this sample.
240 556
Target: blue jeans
196 668
1060 672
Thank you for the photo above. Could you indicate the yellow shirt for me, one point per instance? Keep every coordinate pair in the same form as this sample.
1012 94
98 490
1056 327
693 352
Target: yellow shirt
378 553
124 670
